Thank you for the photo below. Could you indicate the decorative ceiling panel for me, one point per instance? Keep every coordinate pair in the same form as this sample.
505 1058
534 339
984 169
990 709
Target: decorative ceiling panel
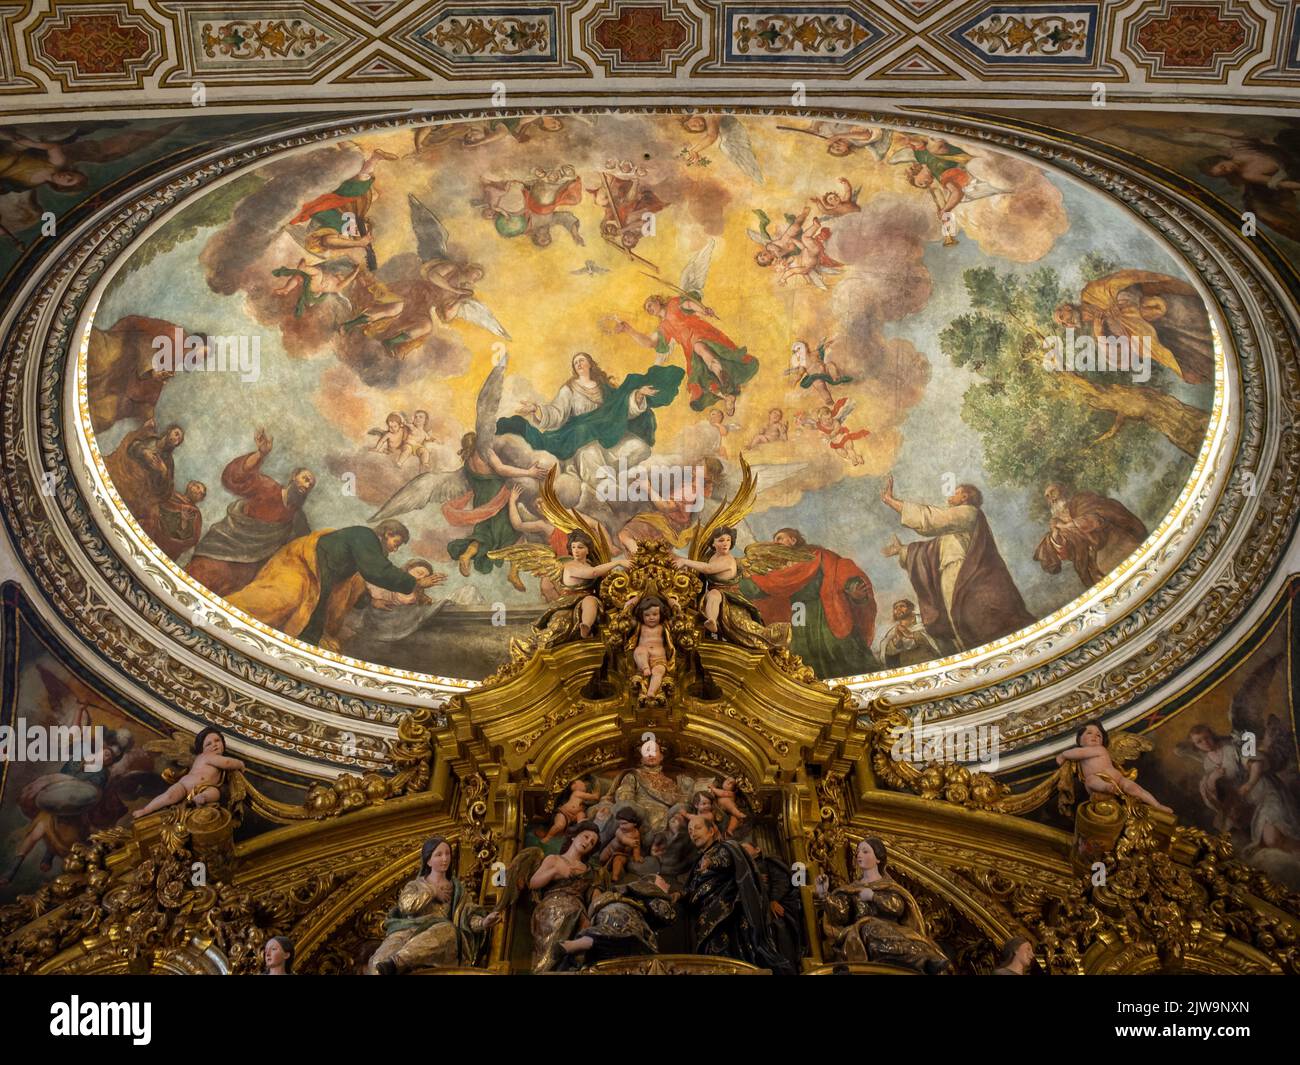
123 56
276 42
96 46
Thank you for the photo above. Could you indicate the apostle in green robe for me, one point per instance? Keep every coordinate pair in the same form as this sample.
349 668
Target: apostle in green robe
307 587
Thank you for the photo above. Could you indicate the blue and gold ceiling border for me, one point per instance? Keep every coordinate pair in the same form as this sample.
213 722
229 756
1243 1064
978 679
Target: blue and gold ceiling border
139 56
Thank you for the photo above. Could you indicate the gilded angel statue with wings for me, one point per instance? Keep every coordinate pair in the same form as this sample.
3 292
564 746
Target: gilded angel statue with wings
727 613
576 576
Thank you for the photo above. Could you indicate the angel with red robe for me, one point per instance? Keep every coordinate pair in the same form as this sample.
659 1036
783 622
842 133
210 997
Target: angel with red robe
829 421
716 366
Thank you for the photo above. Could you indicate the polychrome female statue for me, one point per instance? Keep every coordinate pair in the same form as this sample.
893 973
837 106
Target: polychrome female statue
434 923
875 919
562 886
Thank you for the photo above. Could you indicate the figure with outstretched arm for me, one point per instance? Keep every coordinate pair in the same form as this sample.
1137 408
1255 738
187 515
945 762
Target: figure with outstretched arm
202 784
717 368
965 592
1100 776
484 508
721 569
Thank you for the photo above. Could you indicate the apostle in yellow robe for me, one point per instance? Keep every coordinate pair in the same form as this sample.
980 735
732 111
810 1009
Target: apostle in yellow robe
307 587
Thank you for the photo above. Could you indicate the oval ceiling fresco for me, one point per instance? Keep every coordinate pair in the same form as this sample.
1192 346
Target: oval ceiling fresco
330 389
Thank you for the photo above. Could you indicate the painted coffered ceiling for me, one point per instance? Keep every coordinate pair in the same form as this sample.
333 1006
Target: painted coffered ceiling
161 56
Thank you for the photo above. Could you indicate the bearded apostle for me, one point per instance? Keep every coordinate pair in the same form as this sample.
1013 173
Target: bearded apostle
731 913
308 586
1138 304
1091 532
265 516
966 593
143 470
180 522
122 381
837 608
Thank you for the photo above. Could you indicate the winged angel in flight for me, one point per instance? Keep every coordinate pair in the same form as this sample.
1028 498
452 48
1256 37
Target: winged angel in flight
717 368
336 258
727 132
477 495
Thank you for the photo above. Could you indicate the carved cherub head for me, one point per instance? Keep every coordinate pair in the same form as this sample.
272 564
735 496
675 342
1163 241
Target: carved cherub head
1092 734
651 610
210 741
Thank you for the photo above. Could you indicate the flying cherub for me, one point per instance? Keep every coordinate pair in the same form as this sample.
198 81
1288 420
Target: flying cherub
205 778
798 250
1094 759
845 138
829 421
628 200
405 438
816 371
838 202
941 168
727 132
392 438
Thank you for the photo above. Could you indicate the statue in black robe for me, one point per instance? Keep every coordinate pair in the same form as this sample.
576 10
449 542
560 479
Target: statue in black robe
730 911
785 903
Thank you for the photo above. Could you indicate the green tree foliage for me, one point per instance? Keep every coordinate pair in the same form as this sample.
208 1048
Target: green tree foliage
214 209
1091 431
